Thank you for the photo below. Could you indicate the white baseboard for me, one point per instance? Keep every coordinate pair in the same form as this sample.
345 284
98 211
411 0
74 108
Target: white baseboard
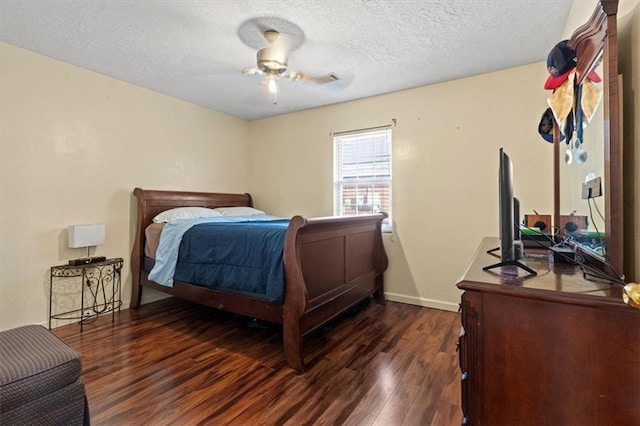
420 301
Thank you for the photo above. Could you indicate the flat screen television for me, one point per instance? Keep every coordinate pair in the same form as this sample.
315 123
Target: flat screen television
509 216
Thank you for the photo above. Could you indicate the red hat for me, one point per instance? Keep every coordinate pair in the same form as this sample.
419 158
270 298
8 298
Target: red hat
593 76
561 61
553 83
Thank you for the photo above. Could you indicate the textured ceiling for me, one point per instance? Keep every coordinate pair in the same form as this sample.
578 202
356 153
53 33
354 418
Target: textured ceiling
196 50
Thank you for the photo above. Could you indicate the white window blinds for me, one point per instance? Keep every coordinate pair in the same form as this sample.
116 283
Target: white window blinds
362 173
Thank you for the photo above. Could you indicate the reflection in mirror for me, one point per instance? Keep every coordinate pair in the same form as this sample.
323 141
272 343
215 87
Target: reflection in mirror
582 163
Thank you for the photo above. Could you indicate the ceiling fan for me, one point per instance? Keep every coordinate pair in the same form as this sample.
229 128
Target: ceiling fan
272 64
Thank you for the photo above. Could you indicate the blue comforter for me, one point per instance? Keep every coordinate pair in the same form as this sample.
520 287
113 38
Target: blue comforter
242 255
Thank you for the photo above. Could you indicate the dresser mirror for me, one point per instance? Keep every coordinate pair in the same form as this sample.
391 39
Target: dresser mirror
594 225
581 164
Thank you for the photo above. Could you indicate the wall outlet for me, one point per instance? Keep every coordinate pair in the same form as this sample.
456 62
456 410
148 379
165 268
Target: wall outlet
592 188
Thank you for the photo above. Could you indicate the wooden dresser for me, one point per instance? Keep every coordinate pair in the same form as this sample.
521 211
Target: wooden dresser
551 349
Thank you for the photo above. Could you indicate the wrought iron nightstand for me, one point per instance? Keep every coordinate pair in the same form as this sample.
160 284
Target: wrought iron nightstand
102 281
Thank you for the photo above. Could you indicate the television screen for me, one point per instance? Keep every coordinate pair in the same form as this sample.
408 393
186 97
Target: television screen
509 217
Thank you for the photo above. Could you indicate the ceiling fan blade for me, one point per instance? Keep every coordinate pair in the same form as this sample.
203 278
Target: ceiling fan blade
252 71
321 79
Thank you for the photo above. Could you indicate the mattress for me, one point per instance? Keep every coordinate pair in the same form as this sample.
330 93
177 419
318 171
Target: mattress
152 239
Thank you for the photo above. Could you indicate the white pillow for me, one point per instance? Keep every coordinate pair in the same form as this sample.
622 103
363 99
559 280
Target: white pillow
240 211
185 213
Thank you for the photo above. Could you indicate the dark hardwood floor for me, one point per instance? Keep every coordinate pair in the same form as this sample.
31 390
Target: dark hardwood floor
173 362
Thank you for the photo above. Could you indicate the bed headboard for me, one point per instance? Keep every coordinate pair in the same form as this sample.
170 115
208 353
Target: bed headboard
152 202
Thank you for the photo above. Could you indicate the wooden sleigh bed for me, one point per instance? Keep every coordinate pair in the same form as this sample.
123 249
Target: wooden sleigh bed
330 264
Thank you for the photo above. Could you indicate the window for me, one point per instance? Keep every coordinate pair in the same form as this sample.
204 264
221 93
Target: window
362 173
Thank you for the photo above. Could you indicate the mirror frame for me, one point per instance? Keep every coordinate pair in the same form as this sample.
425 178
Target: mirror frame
600 35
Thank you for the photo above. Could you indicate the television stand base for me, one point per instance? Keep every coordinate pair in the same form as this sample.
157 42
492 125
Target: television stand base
511 263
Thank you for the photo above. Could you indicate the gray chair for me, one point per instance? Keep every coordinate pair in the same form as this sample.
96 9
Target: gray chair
40 379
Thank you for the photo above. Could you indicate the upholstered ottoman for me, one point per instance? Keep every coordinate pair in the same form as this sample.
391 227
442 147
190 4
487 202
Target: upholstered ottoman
40 379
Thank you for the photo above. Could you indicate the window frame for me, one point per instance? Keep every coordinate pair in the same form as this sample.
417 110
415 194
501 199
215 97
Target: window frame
339 181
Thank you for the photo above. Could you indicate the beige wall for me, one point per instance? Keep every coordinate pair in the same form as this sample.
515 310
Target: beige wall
445 165
73 145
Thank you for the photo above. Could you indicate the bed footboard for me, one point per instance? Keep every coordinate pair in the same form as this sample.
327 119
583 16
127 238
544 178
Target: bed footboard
330 264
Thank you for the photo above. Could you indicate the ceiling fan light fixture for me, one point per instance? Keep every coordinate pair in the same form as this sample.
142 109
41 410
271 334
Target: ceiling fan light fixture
273 88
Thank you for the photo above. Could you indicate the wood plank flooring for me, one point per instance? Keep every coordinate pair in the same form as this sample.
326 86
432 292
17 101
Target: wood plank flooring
176 363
